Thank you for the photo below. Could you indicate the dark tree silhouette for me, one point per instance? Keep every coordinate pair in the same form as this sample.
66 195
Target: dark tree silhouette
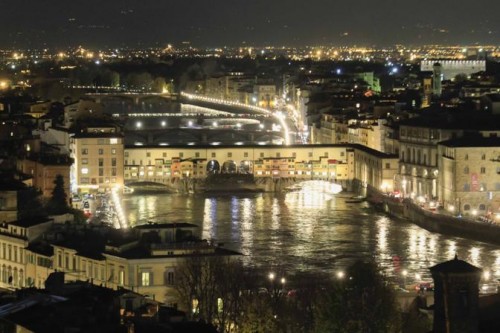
361 303
58 203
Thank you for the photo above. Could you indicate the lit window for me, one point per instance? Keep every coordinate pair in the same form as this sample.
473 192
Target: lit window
113 141
146 279
85 171
121 277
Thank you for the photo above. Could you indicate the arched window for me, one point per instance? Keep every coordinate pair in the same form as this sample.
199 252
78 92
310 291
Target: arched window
466 207
466 170
482 207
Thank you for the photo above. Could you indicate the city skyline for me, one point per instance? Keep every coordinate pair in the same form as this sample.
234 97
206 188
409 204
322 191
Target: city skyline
234 23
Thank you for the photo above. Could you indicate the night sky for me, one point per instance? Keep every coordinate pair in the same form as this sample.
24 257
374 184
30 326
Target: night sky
216 23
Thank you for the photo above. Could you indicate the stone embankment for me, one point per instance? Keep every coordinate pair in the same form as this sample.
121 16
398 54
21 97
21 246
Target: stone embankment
437 220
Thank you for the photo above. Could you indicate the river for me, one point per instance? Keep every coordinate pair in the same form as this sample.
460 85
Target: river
311 229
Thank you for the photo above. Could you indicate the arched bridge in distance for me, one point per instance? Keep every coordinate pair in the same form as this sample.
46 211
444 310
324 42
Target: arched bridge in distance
177 119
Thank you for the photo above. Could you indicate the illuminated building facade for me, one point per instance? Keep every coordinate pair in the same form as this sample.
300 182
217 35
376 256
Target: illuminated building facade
161 164
418 174
98 160
469 180
375 170
451 68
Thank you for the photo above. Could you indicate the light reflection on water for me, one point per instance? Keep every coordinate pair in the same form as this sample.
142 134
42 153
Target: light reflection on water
311 228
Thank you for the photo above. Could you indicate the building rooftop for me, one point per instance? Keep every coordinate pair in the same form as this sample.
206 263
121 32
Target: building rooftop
374 152
455 119
154 225
31 221
9 184
198 249
472 141
84 135
493 97
454 266
42 248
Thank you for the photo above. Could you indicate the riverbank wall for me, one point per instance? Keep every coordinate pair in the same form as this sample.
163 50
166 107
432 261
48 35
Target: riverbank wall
434 221
231 183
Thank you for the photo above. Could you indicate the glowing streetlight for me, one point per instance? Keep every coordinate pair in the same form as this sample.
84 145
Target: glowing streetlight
340 275
138 124
404 273
271 276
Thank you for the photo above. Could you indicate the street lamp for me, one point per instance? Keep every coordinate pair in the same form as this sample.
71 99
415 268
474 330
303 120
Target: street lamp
340 275
404 273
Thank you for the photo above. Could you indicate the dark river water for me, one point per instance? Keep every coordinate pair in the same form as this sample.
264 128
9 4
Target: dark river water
312 229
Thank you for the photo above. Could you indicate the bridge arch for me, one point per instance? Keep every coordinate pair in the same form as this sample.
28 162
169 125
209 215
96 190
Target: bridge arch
229 167
245 167
213 167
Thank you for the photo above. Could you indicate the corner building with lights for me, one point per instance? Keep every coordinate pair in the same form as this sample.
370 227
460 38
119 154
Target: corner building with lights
98 160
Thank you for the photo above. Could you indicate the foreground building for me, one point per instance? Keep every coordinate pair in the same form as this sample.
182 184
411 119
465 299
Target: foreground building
143 259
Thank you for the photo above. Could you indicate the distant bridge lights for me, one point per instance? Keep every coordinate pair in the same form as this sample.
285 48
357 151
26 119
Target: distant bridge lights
278 115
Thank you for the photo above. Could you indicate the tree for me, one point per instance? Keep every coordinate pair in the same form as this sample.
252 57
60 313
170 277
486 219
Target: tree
361 303
197 285
219 287
258 314
58 203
